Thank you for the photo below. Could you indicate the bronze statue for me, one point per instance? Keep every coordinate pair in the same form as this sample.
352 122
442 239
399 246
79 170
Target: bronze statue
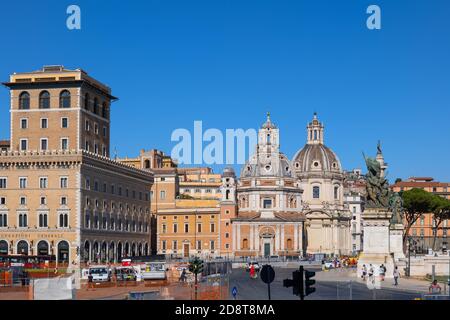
377 187
396 206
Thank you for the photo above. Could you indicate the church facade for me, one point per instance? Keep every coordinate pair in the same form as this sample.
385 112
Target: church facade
291 208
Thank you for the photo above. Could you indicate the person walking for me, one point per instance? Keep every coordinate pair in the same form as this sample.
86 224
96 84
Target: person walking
435 288
252 271
396 275
371 271
364 272
382 272
183 276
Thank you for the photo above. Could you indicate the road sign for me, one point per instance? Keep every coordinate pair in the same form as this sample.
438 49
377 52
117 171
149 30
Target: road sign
267 274
234 292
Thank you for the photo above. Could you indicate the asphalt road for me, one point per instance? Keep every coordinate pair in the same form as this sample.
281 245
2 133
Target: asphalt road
255 289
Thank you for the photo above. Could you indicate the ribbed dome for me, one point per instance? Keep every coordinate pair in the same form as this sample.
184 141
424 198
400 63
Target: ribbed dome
269 167
314 157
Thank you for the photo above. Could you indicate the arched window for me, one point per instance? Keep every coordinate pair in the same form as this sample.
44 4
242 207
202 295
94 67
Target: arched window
245 244
63 251
44 100
22 247
64 99
3 247
42 248
24 100
316 192
86 101
95 105
227 194
289 244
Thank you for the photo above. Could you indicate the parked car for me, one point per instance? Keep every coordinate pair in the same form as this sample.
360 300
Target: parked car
255 264
328 264
99 273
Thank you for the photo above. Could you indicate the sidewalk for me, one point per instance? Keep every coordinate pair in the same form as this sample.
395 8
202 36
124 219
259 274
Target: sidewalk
404 284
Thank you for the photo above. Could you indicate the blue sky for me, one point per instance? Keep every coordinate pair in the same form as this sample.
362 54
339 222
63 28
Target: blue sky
228 62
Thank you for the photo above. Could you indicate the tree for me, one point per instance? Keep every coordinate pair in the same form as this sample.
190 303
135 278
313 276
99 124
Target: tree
441 211
196 267
416 202
398 180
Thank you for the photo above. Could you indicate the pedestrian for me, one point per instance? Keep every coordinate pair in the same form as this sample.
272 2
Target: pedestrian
435 288
396 275
183 276
382 272
90 282
371 271
252 271
364 272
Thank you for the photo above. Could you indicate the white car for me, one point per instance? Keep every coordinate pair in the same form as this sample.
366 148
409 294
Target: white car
99 274
328 264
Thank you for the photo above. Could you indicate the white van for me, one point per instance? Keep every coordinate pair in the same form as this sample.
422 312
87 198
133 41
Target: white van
99 273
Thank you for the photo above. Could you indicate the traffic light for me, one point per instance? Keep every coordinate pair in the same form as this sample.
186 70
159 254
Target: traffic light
296 283
309 282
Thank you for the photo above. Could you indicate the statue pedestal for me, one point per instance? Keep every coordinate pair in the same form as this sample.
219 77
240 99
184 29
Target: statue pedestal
376 246
396 241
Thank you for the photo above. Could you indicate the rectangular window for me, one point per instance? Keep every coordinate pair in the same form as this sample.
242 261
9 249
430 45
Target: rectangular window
213 227
23 123
3 220
104 132
87 125
104 151
267 203
88 184
64 143
164 228
43 183
175 228
96 128
23 144
163 245
199 245
44 123
175 245
212 245
64 182
44 144
64 201
2 200
162 195
22 183
43 220
186 227
23 220
23 201
86 145
43 201
95 148
64 122
199 227
3 183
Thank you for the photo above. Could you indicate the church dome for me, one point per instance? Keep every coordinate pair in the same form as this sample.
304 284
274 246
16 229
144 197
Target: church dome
275 166
315 155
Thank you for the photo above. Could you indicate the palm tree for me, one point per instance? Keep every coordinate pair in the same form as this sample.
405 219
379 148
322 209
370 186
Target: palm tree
196 267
